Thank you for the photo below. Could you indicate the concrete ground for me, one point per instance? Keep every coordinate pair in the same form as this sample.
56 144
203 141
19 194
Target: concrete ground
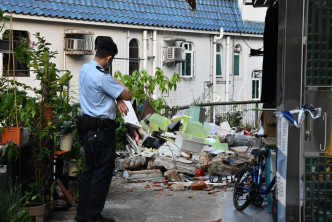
132 202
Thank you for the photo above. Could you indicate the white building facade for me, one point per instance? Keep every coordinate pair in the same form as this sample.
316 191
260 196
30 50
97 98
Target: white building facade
214 64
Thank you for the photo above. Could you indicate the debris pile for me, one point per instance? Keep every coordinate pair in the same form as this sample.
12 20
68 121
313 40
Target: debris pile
182 152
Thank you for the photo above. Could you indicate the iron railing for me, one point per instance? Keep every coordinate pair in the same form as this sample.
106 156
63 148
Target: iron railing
242 113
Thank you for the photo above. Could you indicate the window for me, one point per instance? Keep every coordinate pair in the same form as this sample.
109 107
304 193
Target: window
236 64
21 69
133 56
256 84
218 61
78 42
187 67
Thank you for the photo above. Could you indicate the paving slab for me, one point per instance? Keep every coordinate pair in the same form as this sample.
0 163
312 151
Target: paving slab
250 214
132 202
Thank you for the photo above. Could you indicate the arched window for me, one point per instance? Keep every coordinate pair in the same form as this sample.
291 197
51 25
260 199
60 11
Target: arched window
237 60
133 56
20 67
218 61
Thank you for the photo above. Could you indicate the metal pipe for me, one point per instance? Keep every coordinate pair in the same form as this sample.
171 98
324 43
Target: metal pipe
221 103
227 69
154 54
214 67
145 40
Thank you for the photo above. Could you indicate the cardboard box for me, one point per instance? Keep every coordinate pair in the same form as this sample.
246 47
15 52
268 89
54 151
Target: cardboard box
269 123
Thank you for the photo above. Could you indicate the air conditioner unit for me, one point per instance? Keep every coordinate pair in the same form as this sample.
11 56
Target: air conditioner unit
72 44
174 53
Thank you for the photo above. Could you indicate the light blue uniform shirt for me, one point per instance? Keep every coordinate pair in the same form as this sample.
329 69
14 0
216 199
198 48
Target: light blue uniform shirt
98 92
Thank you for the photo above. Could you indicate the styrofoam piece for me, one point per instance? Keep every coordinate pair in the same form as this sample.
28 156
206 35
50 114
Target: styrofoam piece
131 117
189 143
159 122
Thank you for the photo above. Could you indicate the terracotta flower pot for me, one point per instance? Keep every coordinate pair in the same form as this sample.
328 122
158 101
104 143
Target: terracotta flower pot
37 210
14 134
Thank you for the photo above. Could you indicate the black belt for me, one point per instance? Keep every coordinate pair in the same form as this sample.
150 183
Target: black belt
94 123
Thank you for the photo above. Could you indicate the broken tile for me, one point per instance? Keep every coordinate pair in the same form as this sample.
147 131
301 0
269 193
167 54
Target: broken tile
198 185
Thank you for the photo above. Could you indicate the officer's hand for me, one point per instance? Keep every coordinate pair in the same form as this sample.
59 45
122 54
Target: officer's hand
122 107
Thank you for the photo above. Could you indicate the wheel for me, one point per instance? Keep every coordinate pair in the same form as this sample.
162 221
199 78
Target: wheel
240 195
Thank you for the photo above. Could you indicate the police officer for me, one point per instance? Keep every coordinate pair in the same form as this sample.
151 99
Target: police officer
100 94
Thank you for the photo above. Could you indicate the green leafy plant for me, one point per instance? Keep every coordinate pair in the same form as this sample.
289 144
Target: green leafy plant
234 116
25 106
11 202
142 86
53 92
9 151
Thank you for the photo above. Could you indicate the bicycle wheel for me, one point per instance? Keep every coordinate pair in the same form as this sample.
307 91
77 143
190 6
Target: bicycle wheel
241 189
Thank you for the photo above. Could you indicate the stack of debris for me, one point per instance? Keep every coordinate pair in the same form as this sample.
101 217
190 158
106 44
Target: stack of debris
182 149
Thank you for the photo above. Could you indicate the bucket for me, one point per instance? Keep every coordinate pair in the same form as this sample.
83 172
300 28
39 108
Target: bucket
66 141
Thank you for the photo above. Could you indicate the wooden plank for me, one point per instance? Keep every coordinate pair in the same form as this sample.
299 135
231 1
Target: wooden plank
64 190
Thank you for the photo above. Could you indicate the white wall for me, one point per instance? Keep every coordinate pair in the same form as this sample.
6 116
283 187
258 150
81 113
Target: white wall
251 13
188 89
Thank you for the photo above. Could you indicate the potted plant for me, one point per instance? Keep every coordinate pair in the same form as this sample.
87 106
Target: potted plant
11 202
66 115
16 110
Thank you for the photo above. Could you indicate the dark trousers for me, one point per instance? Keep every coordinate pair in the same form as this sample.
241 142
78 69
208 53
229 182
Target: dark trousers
98 172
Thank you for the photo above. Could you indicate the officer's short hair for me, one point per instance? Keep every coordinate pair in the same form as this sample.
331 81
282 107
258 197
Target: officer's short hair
106 47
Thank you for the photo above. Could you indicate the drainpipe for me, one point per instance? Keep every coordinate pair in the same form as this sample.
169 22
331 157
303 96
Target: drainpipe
64 60
245 75
214 70
145 41
154 54
227 69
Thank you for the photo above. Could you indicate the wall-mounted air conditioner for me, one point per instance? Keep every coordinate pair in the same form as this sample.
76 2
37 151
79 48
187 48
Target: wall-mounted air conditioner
78 42
174 53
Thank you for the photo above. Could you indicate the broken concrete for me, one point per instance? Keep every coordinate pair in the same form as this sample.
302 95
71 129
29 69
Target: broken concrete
218 165
142 175
119 164
172 175
170 164
198 185
134 163
239 149
177 187
204 159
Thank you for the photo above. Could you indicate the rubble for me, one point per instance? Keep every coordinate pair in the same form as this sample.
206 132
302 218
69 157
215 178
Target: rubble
134 162
177 187
198 185
204 159
141 176
172 175
171 164
218 165
176 155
